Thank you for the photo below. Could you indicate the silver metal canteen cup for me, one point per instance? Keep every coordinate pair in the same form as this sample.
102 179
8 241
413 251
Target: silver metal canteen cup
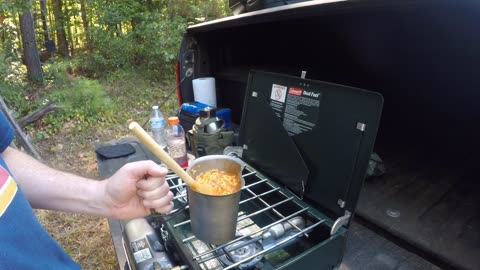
214 218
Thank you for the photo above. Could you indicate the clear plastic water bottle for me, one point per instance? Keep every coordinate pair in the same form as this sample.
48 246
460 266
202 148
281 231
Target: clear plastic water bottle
176 146
157 126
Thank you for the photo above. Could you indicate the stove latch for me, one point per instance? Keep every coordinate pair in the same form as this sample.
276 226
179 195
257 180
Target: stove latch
341 221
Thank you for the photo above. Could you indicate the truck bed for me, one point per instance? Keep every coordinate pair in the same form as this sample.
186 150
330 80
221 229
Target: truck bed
368 250
422 56
429 198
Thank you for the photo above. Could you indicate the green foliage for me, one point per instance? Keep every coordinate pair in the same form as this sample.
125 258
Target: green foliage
132 34
12 72
121 33
120 11
134 46
9 35
15 5
157 42
153 44
85 105
58 72
10 66
14 98
109 55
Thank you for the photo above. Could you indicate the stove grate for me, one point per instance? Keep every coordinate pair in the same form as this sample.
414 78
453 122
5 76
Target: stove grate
270 218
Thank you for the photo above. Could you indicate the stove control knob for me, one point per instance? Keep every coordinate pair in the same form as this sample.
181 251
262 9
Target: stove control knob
278 230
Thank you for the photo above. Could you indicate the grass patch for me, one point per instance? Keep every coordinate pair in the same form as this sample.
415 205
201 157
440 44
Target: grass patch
85 238
135 95
85 104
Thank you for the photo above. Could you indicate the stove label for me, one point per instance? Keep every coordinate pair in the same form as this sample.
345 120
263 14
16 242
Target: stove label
279 92
299 110
141 250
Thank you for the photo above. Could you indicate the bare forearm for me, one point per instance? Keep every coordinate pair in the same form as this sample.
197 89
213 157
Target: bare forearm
47 188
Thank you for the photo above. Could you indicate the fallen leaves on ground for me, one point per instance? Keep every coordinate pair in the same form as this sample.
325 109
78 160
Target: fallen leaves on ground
86 239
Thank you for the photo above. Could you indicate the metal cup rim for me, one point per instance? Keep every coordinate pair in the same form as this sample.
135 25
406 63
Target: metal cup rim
216 157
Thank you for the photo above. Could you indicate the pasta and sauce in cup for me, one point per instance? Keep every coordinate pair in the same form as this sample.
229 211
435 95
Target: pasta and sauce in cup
214 216
220 182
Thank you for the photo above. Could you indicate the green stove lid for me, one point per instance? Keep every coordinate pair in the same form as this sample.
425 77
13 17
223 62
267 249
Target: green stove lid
313 137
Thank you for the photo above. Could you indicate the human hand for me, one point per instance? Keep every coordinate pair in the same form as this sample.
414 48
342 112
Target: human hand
136 188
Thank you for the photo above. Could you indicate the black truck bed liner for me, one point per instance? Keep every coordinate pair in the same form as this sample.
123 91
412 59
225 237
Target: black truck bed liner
367 250
430 198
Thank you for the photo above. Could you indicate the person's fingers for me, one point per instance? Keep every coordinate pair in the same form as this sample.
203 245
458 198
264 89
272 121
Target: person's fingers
161 205
165 209
151 183
156 194
137 170
149 190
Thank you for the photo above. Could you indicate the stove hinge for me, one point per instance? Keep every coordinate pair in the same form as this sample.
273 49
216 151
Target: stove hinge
234 151
341 221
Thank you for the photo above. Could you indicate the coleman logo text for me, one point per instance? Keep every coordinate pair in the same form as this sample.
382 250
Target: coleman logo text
295 91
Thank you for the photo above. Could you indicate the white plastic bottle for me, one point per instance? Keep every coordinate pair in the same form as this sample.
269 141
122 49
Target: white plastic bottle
176 146
157 126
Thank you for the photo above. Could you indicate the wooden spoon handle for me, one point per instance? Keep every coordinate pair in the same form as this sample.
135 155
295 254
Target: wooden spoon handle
157 150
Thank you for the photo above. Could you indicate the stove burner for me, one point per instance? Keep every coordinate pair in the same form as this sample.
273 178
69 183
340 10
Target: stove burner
241 250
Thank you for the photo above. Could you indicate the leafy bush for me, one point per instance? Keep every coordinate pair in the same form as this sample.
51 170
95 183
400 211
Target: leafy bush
14 98
157 42
131 34
152 45
85 105
11 83
111 53
58 72
12 73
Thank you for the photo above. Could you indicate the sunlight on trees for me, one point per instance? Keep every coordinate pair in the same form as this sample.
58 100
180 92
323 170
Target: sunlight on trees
104 34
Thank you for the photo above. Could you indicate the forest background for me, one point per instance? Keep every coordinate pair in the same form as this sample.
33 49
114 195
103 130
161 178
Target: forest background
90 67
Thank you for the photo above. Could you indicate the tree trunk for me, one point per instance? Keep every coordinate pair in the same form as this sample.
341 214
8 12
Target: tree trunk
86 26
2 34
30 50
43 12
60 27
68 27
49 44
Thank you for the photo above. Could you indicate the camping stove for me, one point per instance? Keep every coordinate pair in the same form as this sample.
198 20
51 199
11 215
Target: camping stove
275 229
307 146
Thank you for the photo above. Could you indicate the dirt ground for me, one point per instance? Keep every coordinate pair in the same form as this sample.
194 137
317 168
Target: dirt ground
87 239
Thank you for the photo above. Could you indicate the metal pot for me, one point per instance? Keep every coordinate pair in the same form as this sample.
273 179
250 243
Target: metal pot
208 121
214 218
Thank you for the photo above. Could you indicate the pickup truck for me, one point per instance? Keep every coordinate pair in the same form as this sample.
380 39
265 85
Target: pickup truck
422 57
